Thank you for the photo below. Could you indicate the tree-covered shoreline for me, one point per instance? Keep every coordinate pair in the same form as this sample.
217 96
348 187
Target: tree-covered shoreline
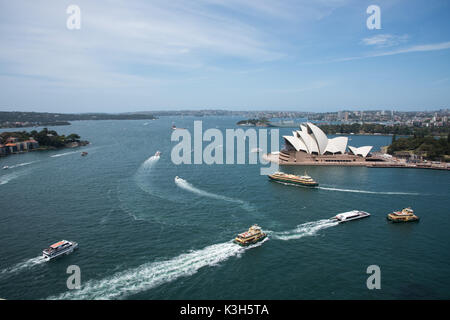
372 128
47 139
430 148
14 119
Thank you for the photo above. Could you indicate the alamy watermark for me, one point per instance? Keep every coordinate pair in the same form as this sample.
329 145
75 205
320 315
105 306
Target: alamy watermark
74 20
74 280
189 150
374 20
374 280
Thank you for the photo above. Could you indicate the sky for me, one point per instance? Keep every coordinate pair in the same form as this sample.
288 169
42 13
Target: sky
299 55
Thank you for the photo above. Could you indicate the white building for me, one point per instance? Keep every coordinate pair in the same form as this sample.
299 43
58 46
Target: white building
311 144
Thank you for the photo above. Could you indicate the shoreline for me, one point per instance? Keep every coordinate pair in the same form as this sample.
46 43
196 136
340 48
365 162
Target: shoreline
41 149
391 164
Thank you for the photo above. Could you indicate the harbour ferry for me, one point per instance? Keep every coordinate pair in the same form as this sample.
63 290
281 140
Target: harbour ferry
406 215
351 215
59 248
253 235
304 180
174 127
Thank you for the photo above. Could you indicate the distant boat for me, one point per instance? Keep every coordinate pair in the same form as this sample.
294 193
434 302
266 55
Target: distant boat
253 235
406 215
5 167
290 178
351 215
59 248
84 153
157 154
174 127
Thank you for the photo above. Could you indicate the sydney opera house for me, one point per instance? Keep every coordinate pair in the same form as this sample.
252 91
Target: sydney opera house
311 146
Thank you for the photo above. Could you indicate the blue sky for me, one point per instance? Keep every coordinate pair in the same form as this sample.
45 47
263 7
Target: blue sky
303 55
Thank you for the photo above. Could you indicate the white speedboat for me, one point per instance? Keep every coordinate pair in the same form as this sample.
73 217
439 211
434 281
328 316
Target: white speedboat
59 248
157 154
5 167
351 215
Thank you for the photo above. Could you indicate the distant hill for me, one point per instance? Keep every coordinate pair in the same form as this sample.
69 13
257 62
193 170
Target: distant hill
15 119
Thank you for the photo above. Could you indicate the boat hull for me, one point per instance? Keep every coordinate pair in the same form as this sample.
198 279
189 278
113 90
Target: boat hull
361 215
253 241
398 219
60 253
292 181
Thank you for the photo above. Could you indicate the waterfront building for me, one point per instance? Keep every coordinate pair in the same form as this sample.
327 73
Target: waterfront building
311 146
12 147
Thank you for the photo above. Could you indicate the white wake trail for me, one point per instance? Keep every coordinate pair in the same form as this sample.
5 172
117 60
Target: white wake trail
143 171
189 187
151 275
21 164
64 154
23 265
368 192
11 176
303 230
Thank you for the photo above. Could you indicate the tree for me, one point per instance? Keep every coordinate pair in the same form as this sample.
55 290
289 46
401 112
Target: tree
73 137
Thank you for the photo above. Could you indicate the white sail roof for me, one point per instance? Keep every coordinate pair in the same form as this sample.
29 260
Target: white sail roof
309 141
295 142
311 138
338 144
319 136
361 151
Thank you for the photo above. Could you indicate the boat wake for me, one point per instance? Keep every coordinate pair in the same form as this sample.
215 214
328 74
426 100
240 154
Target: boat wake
21 164
183 184
143 172
303 230
369 192
151 275
11 176
23 265
63 154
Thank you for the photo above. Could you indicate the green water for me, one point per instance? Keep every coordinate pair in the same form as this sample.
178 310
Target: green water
144 236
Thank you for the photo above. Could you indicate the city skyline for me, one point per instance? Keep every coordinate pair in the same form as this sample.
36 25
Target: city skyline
233 55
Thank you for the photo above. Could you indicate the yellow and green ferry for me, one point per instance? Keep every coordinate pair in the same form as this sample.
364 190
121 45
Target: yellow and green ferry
406 215
304 180
253 235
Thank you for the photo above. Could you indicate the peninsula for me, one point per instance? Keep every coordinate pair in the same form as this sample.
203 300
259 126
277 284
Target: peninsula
22 141
39 119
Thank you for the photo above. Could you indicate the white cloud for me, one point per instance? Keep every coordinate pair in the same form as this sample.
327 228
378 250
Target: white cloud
385 40
416 48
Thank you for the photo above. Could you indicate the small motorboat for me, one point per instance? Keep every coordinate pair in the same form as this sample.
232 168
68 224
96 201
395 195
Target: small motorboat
350 216
5 167
59 248
174 127
84 154
157 154
406 215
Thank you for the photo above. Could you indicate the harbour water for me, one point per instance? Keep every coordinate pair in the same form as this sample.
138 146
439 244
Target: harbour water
143 235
